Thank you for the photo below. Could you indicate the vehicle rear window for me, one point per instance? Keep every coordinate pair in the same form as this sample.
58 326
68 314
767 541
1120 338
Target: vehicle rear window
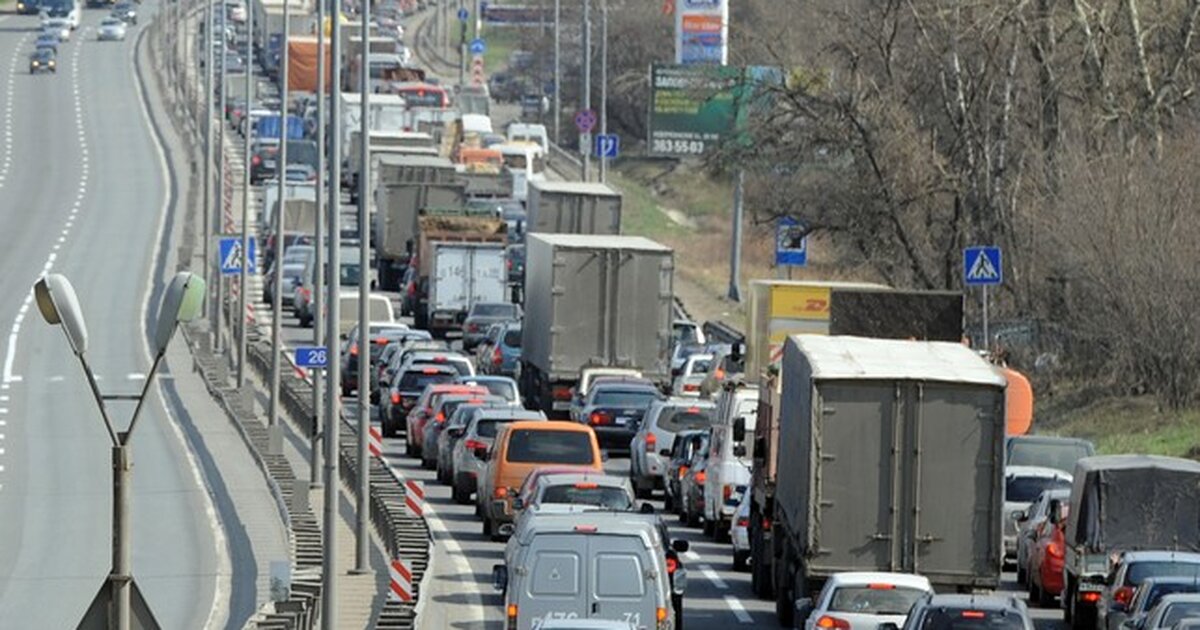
676 419
959 619
512 338
1058 456
502 389
879 600
701 366
462 365
624 398
417 380
495 310
489 428
1139 571
601 496
1027 489
1162 590
528 446
1176 612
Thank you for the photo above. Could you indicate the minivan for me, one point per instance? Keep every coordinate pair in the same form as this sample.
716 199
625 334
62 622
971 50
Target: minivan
521 447
728 471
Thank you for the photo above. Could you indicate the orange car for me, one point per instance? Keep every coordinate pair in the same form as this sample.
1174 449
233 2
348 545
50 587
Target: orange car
520 448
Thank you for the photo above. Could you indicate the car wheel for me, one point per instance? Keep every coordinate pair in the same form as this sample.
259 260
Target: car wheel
487 527
739 560
709 528
460 494
721 534
409 449
1022 577
692 518
1043 597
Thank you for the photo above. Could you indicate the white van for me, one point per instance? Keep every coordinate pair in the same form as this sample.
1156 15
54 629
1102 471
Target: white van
727 474
524 162
592 565
379 311
529 132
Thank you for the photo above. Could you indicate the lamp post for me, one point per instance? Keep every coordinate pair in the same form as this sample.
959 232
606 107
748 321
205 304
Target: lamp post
119 600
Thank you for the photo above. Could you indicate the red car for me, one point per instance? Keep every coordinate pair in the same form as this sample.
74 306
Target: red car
415 429
1046 559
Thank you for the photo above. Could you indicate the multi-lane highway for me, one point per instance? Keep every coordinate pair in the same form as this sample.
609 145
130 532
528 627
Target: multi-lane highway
84 192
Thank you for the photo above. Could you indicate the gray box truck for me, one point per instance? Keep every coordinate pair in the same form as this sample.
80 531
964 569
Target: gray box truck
405 186
573 208
1124 503
894 462
593 301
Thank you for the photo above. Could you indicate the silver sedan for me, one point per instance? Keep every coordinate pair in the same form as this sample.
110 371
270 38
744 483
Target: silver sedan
111 29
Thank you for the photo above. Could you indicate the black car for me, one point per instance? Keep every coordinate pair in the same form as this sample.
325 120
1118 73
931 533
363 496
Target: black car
126 11
615 410
43 60
28 7
405 391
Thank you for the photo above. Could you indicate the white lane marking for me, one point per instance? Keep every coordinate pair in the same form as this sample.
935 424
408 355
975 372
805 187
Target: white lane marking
57 379
3 410
4 398
738 609
135 376
712 576
691 556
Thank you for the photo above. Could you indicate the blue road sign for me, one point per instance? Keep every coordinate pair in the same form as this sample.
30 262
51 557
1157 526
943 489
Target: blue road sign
478 46
585 121
791 242
230 253
463 14
608 146
312 357
982 266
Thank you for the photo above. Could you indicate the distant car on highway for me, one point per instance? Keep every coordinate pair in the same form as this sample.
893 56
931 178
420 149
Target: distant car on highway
126 12
43 60
1029 527
663 421
470 452
966 612
1171 612
1130 569
405 390
111 29
1047 450
28 7
58 26
687 383
615 411
435 427
484 314
862 601
1151 592
1022 485
47 41
739 533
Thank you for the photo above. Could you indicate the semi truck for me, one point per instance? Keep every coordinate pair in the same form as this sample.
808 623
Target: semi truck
404 186
573 208
460 261
603 301
895 462
780 308
1133 487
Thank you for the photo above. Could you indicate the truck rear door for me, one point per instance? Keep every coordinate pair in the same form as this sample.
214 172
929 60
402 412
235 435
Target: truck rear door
489 276
954 503
855 525
450 279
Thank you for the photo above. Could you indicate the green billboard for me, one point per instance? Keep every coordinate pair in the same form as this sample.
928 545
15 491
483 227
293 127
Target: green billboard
694 107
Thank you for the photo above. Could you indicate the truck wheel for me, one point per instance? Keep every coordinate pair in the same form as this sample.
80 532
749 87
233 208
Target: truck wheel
1068 596
785 600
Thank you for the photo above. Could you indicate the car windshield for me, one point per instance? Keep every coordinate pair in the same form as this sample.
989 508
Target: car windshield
1025 489
417 380
550 447
588 494
676 419
1139 571
881 599
1178 611
624 397
1060 456
958 619
494 310
350 274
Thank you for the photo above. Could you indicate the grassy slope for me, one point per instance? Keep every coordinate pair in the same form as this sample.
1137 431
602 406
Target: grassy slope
1134 425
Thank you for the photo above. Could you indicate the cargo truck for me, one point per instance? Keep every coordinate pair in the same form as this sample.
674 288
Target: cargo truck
895 462
1113 499
603 301
404 184
779 308
460 261
391 142
573 208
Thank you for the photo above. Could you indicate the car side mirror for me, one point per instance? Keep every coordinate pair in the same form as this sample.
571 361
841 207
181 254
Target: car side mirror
666 452
1054 511
739 430
679 545
739 450
500 577
1020 516
804 608
646 508
518 504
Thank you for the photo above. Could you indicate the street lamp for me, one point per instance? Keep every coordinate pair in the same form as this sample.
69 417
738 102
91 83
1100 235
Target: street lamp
119 605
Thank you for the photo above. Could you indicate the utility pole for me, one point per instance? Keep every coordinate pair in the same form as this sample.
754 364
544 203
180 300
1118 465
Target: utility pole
318 299
587 82
329 603
462 52
603 84
243 285
218 341
208 146
363 536
280 236
557 72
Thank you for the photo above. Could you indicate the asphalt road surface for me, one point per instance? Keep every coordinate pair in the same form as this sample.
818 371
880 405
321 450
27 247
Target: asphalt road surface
83 192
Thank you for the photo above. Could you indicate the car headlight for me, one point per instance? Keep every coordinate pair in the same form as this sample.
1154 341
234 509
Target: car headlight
35 64
51 63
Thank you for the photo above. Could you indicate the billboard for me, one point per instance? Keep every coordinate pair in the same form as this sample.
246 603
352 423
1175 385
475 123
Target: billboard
701 32
694 107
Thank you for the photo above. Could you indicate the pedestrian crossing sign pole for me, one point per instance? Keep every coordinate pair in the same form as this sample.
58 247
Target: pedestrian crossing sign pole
983 267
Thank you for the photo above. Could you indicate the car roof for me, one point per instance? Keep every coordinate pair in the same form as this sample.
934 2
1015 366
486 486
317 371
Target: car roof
541 425
1178 598
1161 555
598 478
506 412
1170 579
644 526
977 602
486 378
1035 471
622 384
681 401
863 578
440 368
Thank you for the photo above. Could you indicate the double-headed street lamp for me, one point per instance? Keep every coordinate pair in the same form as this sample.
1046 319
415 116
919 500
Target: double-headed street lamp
119 605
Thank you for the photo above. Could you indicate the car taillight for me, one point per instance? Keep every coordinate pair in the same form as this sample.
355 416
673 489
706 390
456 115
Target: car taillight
743 521
500 492
472 445
651 442
1053 550
683 470
832 623
395 398
691 387
726 493
599 417
562 393
497 357
1089 597
672 565
412 289
766 524
973 614
511 611
1124 595
256 160
440 417
881 586
354 350
660 614
701 477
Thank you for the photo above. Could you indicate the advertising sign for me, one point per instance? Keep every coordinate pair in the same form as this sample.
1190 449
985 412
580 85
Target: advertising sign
701 32
691 108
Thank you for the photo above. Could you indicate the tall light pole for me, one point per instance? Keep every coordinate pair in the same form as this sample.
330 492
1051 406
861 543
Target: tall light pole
603 84
586 97
333 414
318 299
243 275
119 599
362 538
218 341
208 143
280 233
558 72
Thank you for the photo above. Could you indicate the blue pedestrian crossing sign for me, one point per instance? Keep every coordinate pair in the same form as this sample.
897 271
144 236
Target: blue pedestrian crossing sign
230 253
312 357
463 15
791 242
608 146
982 266
478 46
